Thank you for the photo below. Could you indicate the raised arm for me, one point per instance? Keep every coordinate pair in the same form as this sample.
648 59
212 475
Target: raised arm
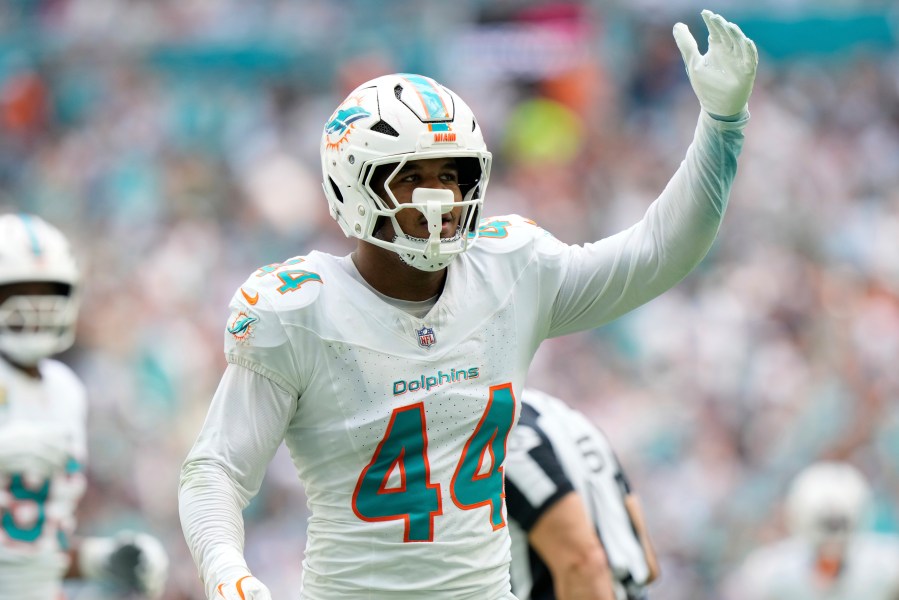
610 277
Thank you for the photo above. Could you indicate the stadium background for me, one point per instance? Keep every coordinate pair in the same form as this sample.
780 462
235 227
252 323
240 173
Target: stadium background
176 143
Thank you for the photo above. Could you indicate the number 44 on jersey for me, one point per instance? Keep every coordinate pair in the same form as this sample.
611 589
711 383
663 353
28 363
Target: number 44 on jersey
413 497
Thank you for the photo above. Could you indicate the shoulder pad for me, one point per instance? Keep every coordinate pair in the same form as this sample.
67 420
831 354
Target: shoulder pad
268 292
510 232
279 287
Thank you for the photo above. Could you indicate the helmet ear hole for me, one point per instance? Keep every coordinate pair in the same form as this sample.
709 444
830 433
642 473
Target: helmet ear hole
385 128
469 173
336 189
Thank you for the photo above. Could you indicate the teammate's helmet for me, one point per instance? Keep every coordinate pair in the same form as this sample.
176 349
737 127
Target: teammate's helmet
33 327
391 120
825 503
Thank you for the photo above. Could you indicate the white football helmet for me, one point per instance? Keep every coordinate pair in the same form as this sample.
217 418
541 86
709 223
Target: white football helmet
391 120
33 327
825 503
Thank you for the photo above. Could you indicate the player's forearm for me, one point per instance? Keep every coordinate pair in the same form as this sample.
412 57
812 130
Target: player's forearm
680 227
634 266
210 509
699 190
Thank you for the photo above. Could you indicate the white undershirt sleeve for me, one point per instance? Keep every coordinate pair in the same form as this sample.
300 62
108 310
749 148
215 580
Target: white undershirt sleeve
608 278
246 423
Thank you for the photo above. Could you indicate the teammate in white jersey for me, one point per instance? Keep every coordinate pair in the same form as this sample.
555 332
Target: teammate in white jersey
826 557
42 431
577 527
393 374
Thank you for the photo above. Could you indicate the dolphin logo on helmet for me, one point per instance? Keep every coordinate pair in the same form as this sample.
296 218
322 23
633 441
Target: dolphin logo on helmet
397 119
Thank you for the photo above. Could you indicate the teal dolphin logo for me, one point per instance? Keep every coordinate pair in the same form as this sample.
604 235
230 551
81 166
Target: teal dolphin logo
344 118
240 325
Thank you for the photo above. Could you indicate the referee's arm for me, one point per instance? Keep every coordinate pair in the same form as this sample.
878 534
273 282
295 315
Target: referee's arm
542 499
566 541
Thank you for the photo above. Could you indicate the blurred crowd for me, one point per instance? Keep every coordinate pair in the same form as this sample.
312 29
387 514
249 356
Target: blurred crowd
176 143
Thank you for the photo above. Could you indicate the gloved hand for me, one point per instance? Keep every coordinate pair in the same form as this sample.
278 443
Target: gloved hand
722 78
130 562
245 588
33 449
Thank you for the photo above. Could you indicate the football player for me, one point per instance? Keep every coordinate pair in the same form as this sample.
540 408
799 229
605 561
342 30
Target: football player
577 528
394 373
42 431
826 555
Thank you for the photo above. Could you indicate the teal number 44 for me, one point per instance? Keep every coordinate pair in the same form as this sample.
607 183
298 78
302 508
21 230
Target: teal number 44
396 484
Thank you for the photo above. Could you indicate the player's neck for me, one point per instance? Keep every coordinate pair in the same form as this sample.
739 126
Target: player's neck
31 371
385 271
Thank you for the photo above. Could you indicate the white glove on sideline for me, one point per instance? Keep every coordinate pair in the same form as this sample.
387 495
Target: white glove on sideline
722 78
245 588
131 562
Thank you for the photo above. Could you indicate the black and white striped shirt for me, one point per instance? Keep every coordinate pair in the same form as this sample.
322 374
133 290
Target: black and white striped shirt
552 451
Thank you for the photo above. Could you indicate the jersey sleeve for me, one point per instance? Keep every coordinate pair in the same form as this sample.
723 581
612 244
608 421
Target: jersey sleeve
535 478
605 279
255 336
245 425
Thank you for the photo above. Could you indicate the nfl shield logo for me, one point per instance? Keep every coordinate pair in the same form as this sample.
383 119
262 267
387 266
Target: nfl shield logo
426 337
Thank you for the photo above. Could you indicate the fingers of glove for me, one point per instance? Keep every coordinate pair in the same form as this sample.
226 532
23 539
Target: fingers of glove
686 43
153 565
751 55
708 18
727 42
718 34
738 42
245 588
121 567
137 563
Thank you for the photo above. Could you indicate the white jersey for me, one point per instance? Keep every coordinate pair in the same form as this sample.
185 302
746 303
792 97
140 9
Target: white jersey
553 451
37 512
397 425
786 571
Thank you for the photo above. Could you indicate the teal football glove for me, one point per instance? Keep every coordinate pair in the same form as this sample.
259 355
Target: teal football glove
722 78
